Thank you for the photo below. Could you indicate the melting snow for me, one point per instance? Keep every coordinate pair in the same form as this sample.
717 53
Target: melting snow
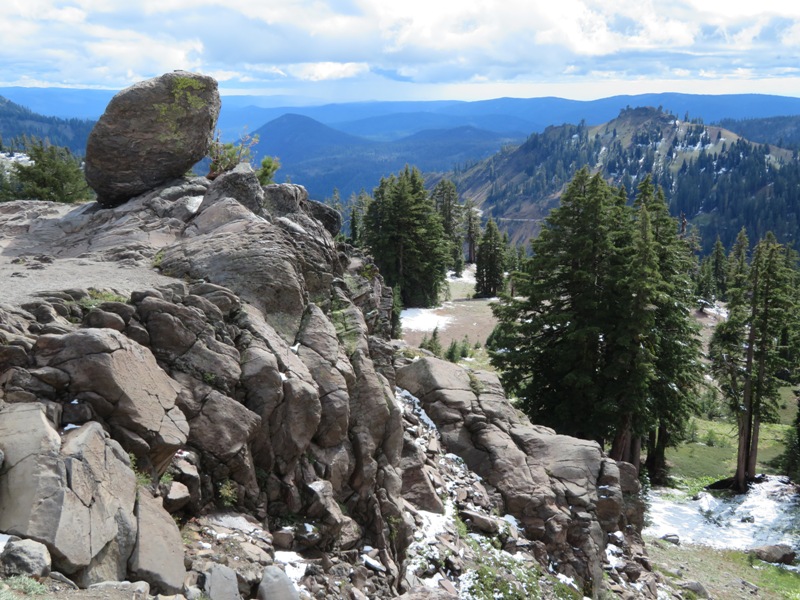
294 565
767 514
423 319
467 275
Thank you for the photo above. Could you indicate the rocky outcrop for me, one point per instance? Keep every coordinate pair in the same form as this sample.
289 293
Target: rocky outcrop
150 133
564 492
249 379
239 360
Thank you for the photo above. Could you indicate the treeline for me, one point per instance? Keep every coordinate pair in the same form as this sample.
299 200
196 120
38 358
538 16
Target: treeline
779 131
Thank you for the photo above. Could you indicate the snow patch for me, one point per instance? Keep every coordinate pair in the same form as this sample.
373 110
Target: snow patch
767 514
423 319
293 564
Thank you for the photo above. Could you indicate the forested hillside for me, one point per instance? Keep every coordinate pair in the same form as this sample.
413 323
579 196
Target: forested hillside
17 121
718 180
779 131
324 158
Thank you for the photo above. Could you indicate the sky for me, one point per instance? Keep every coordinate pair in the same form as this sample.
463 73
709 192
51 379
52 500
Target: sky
351 50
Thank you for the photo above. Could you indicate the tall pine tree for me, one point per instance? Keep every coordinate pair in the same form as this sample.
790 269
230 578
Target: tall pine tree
745 349
490 262
404 233
601 343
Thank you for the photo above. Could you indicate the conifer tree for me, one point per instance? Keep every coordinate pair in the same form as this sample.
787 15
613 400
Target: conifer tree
719 269
490 263
445 198
405 235
358 210
472 230
54 174
744 350
600 344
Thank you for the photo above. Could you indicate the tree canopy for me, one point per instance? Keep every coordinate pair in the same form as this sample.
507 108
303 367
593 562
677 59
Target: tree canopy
404 232
599 343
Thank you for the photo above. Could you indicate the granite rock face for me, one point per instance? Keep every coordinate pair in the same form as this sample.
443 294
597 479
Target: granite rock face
150 133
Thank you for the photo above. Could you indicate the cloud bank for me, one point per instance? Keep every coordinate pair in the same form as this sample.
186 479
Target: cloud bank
346 49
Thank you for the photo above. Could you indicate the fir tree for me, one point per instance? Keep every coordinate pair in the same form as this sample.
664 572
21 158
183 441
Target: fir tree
490 264
405 235
745 352
601 343
54 174
472 230
445 198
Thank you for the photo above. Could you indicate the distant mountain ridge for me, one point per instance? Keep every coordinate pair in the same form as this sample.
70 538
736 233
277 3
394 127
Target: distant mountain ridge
322 158
718 179
17 121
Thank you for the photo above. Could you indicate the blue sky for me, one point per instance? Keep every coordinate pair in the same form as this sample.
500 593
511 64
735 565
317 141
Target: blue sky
346 50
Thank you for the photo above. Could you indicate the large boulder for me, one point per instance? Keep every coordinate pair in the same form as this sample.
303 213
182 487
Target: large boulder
124 386
51 487
150 133
158 555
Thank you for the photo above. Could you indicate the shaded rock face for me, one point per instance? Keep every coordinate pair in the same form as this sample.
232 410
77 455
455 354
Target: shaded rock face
150 133
563 490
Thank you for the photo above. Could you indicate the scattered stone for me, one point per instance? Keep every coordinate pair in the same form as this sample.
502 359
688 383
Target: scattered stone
672 538
25 557
276 585
695 587
776 553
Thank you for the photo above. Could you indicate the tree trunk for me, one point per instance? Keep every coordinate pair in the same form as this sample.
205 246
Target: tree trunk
656 464
621 446
753 454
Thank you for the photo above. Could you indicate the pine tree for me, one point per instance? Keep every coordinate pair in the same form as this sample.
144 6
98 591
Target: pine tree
601 344
490 263
548 343
472 230
719 269
54 174
745 352
405 235
358 210
677 368
445 198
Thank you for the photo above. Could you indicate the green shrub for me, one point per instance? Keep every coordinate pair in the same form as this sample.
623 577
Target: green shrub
26 585
228 493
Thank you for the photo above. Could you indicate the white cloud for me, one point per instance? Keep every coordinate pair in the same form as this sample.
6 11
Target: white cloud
297 42
324 71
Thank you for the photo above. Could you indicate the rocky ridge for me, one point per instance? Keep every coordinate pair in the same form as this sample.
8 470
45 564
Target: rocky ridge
232 427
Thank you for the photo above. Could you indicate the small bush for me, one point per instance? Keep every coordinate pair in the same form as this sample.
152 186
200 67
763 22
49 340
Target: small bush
228 494
26 585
